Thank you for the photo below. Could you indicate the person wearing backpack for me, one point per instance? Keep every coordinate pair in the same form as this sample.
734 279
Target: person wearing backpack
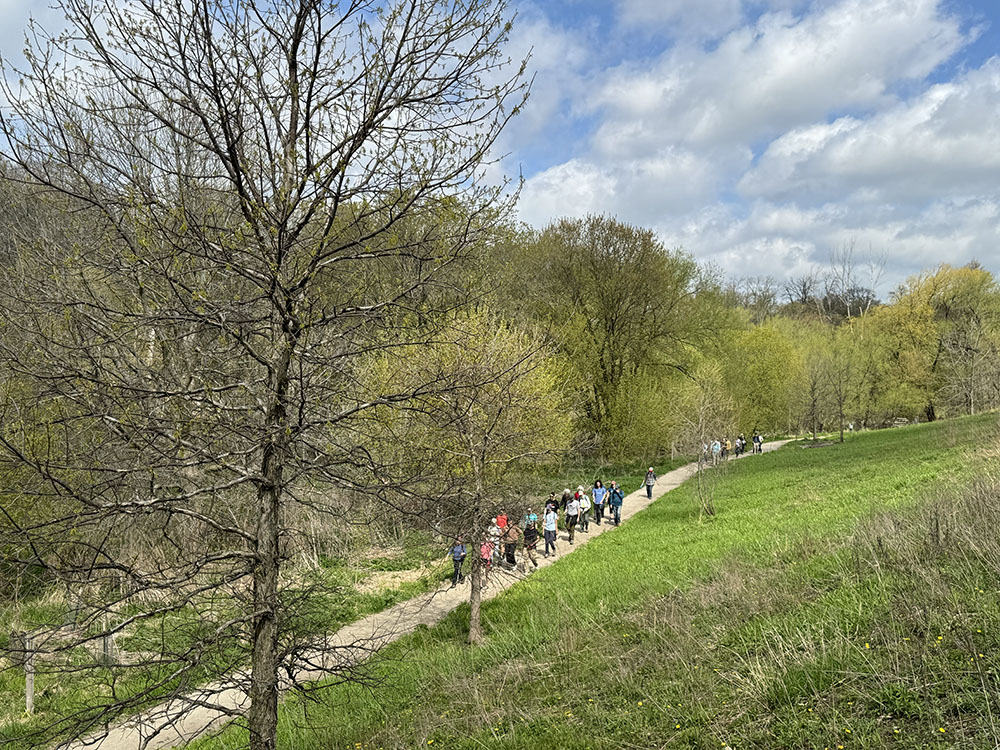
531 537
615 498
550 522
572 516
649 481
458 552
581 496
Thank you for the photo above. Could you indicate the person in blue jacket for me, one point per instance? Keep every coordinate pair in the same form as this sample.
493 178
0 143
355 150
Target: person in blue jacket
458 552
615 499
599 494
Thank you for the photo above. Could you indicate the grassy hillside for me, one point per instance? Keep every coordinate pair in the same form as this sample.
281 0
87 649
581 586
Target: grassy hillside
843 596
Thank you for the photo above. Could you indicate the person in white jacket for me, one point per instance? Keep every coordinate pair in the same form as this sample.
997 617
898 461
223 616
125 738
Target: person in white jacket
584 509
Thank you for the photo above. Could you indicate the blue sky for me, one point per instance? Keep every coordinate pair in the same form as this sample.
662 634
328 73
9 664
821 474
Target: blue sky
759 135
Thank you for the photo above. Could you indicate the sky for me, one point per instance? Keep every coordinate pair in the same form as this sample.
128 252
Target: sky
758 135
763 135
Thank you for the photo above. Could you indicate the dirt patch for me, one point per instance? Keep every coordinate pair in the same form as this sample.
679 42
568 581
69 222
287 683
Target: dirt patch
389 579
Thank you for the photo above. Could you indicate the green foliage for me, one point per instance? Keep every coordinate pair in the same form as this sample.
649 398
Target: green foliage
762 369
625 313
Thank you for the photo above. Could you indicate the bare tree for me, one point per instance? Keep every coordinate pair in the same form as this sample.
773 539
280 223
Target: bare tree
802 289
261 196
708 414
849 292
759 295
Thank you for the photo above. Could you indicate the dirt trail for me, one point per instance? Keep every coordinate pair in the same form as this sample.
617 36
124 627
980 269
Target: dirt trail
182 720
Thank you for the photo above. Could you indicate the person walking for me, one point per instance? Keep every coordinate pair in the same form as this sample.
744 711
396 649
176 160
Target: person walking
716 450
458 551
649 481
531 537
511 539
550 524
495 534
552 502
599 494
615 498
566 497
486 551
584 509
572 516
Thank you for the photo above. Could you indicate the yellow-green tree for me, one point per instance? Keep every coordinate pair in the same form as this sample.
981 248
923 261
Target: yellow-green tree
761 367
503 409
943 329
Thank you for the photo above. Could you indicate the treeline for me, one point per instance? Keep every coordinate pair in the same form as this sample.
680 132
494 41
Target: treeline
660 351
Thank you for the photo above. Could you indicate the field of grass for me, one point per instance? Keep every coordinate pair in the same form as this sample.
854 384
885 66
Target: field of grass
843 597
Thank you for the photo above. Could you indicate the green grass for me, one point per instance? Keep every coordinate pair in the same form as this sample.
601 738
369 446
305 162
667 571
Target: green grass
325 601
841 596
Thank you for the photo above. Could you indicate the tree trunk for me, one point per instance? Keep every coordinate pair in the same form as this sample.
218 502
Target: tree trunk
475 598
263 714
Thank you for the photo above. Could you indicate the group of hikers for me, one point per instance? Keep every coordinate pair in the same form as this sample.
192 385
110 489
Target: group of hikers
720 450
571 512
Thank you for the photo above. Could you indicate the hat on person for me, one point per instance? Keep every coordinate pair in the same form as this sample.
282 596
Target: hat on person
580 488
650 468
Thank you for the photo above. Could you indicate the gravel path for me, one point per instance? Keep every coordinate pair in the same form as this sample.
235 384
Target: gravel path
181 720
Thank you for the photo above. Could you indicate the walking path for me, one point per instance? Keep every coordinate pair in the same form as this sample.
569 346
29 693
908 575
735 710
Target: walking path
183 719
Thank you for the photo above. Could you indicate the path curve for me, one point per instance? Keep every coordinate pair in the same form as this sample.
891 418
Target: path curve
186 718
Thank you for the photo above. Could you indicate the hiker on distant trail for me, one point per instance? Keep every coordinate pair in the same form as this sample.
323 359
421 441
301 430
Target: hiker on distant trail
458 551
649 481
486 551
550 522
552 502
727 448
531 537
716 450
599 493
511 538
572 516
615 499
584 501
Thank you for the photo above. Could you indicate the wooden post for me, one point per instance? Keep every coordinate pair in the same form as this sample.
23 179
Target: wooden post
29 675
108 650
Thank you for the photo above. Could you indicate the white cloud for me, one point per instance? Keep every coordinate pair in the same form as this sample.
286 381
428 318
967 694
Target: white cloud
670 182
784 71
945 142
